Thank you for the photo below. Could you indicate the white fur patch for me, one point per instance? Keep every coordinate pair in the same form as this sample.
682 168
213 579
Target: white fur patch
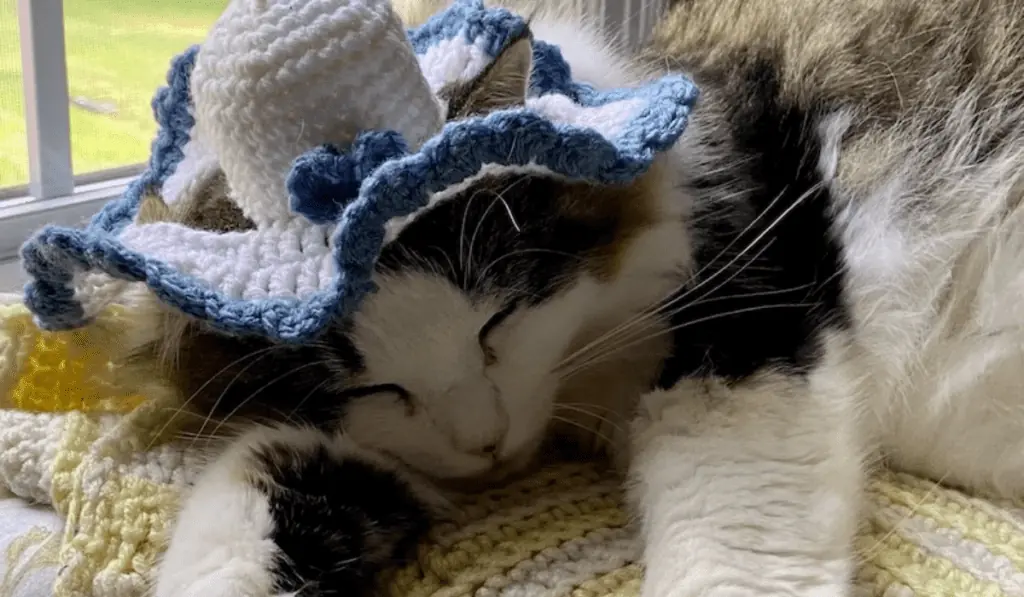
752 486
831 131
222 543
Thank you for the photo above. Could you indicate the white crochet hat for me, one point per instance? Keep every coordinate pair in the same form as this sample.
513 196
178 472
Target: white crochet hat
278 77
324 118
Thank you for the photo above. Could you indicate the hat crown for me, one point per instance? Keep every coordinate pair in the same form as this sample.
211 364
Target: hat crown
276 78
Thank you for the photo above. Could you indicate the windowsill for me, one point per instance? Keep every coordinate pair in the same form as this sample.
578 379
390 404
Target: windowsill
21 217
12 278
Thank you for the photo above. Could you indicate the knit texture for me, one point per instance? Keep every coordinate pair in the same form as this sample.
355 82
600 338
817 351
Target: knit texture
560 532
326 122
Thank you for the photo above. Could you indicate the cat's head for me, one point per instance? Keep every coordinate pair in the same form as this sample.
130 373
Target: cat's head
453 364
481 298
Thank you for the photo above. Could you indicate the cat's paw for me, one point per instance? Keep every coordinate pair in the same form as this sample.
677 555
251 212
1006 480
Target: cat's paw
222 546
291 512
744 590
743 492
236 578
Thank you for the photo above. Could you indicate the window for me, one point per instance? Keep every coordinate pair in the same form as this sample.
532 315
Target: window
76 79
118 52
633 20
105 58
13 149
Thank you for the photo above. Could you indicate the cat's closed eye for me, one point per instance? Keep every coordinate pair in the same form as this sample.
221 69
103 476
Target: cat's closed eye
490 356
403 395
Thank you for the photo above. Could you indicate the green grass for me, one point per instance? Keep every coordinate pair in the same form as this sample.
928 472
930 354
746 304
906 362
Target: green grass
118 52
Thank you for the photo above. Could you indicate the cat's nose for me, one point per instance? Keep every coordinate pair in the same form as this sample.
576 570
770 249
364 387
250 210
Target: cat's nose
489 451
477 420
488 446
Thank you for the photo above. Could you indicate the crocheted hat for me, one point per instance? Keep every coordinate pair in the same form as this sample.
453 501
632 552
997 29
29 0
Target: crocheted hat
324 117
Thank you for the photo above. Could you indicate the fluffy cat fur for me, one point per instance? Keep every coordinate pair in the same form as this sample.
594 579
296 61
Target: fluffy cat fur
823 276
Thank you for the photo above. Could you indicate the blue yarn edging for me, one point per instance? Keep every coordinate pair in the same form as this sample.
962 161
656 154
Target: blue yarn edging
397 188
174 123
491 28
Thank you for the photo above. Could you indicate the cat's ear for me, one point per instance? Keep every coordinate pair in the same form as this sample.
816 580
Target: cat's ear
503 84
152 209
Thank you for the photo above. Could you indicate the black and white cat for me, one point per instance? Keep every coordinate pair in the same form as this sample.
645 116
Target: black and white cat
824 274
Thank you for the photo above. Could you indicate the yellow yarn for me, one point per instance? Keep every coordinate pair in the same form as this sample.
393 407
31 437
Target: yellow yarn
560 532
61 371
579 501
114 534
624 581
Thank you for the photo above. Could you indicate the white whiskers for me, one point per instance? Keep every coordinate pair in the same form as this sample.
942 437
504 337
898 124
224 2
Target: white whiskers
251 396
648 318
181 408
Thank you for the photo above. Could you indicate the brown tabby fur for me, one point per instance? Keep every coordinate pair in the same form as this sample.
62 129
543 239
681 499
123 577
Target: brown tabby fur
899 66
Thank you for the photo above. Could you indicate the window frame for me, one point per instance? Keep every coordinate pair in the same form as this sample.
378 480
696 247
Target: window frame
45 88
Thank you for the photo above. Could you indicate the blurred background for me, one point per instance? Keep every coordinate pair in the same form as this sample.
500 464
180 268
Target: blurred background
117 54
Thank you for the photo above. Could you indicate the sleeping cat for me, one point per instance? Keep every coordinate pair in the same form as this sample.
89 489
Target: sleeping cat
823 275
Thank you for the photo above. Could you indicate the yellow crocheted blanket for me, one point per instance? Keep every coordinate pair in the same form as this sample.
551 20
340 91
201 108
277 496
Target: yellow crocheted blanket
77 434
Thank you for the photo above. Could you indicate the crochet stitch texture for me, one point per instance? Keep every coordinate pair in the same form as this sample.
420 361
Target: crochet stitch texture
326 123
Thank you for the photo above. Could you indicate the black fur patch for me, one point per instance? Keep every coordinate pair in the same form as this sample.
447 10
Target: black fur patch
507 235
337 522
250 378
767 306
